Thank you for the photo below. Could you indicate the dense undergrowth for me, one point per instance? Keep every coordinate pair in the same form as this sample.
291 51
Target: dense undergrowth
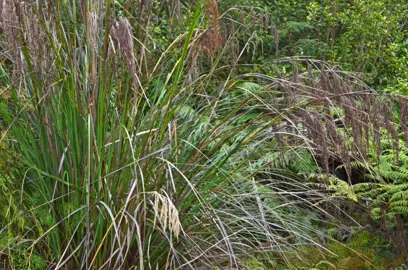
171 134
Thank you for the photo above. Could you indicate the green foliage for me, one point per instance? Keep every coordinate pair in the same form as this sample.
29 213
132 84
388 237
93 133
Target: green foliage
367 36
339 187
123 166
363 251
169 134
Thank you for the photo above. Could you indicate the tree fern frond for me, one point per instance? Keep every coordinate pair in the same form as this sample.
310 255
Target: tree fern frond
398 196
400 209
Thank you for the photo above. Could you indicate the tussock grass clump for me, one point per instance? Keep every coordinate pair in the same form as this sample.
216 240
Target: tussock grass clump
120 166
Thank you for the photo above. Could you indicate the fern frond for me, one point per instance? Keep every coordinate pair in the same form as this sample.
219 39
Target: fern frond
400 209
398 196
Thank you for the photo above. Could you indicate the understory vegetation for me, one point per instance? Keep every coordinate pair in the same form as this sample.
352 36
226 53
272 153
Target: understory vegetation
235 134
